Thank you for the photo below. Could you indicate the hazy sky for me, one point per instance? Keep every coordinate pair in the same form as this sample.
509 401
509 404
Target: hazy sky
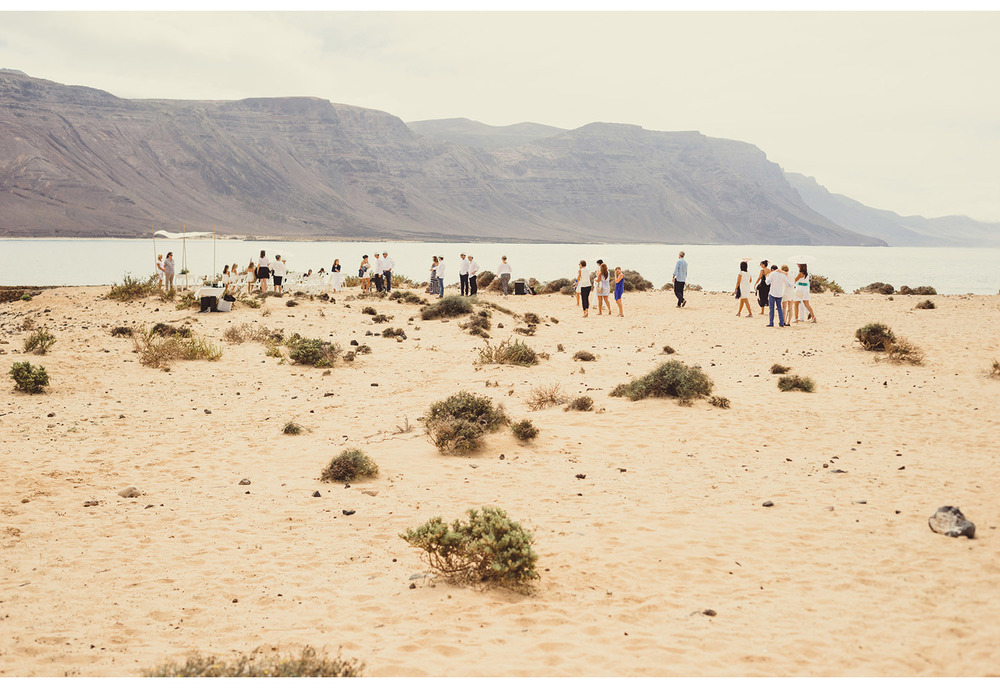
897 110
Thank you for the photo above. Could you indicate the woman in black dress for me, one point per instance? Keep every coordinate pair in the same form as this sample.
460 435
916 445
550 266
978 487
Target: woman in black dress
762 289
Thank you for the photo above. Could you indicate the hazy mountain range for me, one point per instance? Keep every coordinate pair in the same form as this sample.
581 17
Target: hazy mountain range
76 161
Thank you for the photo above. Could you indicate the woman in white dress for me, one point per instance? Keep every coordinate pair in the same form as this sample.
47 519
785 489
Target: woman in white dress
603 289
743 290
335 276
802 286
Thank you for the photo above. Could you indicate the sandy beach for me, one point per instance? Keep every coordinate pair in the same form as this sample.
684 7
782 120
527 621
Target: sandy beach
840 577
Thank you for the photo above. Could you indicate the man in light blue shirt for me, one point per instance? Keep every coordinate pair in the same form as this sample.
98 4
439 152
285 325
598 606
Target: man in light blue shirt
679 278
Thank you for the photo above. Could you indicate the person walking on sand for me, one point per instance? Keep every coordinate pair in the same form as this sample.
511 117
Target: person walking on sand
463 274
762 287
168 272
579 281
364 274
802 293
263 271
278 271
473 276
742 292
585 287
440 277
777 281
603 288
387 266
251 274
680 279
619 290
432 285
160 275
504 272
789 298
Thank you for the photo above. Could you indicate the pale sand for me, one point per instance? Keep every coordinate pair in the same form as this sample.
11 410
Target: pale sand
629 560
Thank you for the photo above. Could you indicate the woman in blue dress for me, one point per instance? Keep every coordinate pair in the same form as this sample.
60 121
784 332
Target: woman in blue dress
619 290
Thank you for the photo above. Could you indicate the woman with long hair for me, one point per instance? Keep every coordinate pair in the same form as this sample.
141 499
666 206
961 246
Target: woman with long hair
603 289
619 290
263 271
585 287
366 284
762 287
802 293
742 291
251 274
335 276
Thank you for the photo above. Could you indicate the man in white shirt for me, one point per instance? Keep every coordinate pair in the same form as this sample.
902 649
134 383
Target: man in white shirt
377 269
463 274
440 276
278 271
387 265
473 277
777 282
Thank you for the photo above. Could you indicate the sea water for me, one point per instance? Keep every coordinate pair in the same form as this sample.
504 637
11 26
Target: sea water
50 262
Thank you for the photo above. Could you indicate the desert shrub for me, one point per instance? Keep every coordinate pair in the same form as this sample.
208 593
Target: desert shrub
788 383
875 336
478 324
312 352
902 350
524 430
368 310
516 353
778 369
557 285
271 349
672 379
29 378
165 330
528 331
292 428
635 282
362 349
917 291
457 424
545 396
568 290
532 319
876 288
121 331
994 371
584 356
485 279
489 547
251 303
259 664
131 289
187 302
291 303
818 284
392 332
580 404
349 465
926 304
39 341
155 349
692 287
667 349
407 297
26 297
381 318
721 402
237 334
448 307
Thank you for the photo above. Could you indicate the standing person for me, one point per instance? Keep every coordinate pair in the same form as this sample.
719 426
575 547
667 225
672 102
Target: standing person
680 279
789 299
387 265
463 274
742 291
278 271
603 288
263 271
619 290
473 276
363 273
776 283
335 275
168 271
160 275
802 293
227 279
377 272
251 273
585 287
432 285
762 287
504 271
440 277
579 283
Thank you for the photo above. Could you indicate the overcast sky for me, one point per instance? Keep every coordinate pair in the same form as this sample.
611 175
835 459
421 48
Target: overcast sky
899 111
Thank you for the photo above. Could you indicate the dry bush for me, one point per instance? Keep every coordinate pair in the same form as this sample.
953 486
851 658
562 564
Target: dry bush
485 279
382 318
721 402
121 331
818 284
926 304
348 466
155 350
516 353
875 336
557 285
902 350
796 382
448 307
876 288
524 430
584 356
407 297
667 349
237 334
546 396
131 289
635 282
532 319
457 424
362 349
392 332
918 291
994 370
778 369
39 341
580 404
671 379
260 664
292 428
368 310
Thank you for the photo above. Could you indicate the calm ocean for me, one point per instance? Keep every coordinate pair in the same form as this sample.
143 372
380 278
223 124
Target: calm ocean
105 261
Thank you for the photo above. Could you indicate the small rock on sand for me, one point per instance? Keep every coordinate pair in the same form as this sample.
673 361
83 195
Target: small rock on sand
950 521
317 494
245 481
130 492
768 503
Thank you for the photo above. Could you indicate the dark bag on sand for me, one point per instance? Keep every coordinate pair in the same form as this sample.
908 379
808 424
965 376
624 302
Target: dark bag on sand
228 297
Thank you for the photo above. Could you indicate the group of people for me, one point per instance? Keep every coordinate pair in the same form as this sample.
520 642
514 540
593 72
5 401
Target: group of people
165 271
776 291
378 271
599 282
257 273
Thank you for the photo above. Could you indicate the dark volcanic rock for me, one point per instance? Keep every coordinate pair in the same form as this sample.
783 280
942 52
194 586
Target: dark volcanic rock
950 521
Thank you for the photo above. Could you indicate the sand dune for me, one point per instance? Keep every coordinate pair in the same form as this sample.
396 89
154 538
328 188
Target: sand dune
840 577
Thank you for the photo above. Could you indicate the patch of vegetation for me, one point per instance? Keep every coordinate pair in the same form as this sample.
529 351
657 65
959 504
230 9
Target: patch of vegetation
875 336
994 370
580 404
121 331
448 307
876 288
478 325
271 349
26 297
237 334
348 466
393 332
788 383
671 379
667 349
778 369
903 350
259 665
508 353
488 548
558 285
292 428
926 304
485 279
584 356
918 291
381 318
818 284
252 303
457 424
545 396
532 319
29 378
368 310
188 302
156 349
721 402
39 341
524 430
165 330
407 297
131 289
291 303
362 349
528 331
635 282
312 352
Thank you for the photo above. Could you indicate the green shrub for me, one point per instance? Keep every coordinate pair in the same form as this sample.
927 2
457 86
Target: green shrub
349 465
876 288
29 378
545 396
39 341
778 369
457 424
406 297
516 353
671 379
584 356
875 336
580 404
818 284
524 430
926 304
131 289
448 307
635 282
312 352
259 664
489 547
788 383
918 291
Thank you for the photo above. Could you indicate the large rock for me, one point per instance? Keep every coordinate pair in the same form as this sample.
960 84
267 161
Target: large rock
950 521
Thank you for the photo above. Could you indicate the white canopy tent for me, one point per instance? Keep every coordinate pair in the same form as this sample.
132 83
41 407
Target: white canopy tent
183 235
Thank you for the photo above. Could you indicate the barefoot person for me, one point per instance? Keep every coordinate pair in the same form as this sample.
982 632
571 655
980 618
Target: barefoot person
585 287
263 271
619 290
168 272
789 297
503 272
160 275
278 271
335 276
802 293
363 273
742 291
579 282
680 279
603 288
762 288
